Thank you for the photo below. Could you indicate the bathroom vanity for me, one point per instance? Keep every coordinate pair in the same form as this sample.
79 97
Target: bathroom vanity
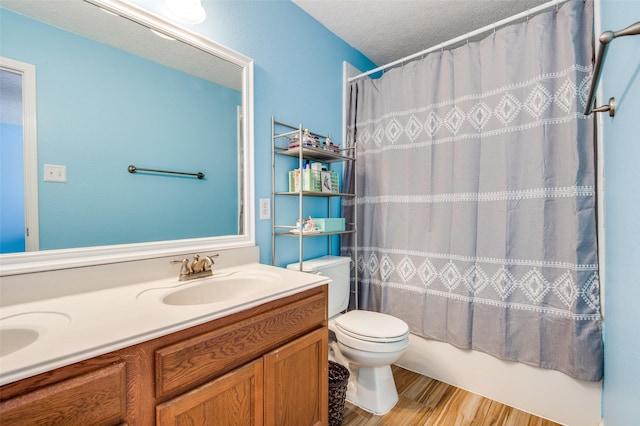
259 359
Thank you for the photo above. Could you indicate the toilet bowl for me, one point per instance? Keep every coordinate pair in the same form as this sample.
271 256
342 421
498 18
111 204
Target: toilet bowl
365 342
368 343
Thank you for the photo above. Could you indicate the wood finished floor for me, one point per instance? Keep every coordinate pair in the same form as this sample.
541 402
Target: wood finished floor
427 402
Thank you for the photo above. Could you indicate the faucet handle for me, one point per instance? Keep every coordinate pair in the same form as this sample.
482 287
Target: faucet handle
206 263
209 266
185 269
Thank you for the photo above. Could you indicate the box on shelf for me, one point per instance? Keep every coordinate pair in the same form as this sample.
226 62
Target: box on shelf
310 180
314 180
309 142
329 224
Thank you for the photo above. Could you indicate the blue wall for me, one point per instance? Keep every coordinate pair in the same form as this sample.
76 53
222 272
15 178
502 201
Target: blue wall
298 79
99 110
621 79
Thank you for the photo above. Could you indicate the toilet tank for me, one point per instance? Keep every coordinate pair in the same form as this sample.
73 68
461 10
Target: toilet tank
338 269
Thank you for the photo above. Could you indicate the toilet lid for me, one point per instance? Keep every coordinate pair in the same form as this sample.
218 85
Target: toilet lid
372 326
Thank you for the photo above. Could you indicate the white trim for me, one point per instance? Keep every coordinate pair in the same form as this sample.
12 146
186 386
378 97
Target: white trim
13 264
29 149
240 154
599 123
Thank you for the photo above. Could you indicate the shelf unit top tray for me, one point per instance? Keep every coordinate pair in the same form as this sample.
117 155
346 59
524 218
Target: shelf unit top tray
316 154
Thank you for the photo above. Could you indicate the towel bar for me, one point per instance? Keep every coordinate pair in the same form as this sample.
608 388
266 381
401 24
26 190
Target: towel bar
606 38
133 169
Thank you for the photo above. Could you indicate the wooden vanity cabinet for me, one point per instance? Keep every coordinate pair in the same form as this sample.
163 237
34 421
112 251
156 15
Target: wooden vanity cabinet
287 386
266 365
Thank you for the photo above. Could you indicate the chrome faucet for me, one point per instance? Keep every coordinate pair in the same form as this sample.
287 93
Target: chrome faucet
198 267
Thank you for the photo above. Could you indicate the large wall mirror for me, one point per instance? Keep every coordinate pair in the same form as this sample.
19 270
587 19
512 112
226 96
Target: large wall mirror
103 85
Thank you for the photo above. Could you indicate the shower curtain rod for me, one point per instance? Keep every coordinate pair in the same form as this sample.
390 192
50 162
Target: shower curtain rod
467 36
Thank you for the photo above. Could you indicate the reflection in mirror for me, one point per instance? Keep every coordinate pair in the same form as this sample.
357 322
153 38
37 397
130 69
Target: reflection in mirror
111 94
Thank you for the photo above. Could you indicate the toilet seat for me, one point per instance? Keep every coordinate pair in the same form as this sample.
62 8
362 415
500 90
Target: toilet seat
373 327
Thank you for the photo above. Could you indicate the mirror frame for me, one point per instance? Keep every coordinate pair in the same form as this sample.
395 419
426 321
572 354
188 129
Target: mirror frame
49 260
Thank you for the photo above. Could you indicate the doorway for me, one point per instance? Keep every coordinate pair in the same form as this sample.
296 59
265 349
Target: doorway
18 157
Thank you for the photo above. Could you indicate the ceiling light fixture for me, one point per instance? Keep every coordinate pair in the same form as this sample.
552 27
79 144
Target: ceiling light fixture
189 11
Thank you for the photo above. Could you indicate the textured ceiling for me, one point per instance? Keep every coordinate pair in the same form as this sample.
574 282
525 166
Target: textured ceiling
387 30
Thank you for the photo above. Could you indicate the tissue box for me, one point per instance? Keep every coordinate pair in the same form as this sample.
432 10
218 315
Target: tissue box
329 224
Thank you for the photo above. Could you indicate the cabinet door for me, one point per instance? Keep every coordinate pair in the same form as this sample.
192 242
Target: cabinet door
296 388
95 398
233 399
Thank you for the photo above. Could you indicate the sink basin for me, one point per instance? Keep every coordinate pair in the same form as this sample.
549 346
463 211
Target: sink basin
216 289
21 330
219 290
14 339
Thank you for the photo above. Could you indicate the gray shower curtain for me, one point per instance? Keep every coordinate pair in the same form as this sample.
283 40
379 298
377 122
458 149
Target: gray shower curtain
476 194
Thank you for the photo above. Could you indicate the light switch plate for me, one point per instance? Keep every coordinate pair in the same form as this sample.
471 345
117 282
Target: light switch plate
55 173
265 208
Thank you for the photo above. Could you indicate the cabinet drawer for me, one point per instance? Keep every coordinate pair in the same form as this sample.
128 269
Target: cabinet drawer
198 359
95 398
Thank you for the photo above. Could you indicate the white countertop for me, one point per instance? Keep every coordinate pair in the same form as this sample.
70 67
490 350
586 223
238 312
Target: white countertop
81 326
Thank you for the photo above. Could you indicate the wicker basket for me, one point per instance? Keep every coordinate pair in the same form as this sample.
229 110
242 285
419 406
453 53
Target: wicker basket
338 379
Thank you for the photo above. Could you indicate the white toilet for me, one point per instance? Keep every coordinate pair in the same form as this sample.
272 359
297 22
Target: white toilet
366 342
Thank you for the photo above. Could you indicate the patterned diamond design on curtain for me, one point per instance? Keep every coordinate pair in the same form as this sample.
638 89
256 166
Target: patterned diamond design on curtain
583 91
394 130
504 283
566 95
362 263
364 136
538 101
566 289
508 108
479 115
386 267
450 276
534 285
413 128
591 293
373 264
454 120
433 124
475 279
427 273
406 269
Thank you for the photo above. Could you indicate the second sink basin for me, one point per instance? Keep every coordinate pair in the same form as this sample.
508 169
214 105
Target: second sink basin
21 330
14 339
215 289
